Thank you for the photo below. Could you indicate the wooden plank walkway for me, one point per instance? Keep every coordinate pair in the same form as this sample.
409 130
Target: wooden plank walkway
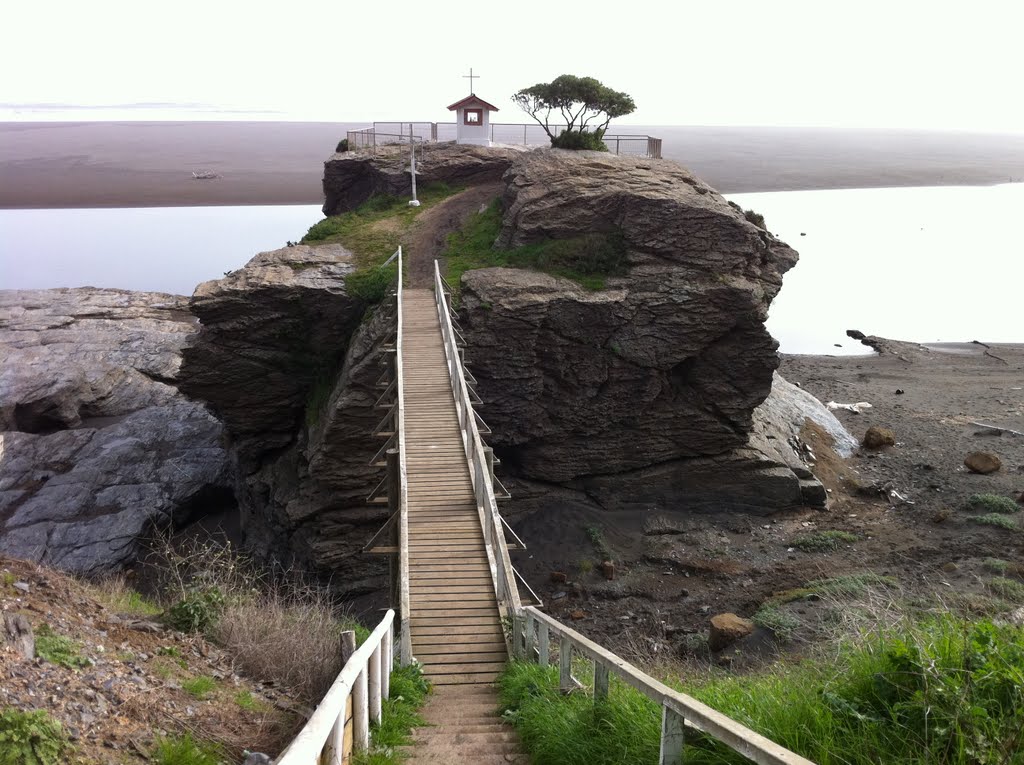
455 625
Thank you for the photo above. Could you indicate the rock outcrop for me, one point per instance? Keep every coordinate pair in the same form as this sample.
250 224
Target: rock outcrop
644 391
350 178
97 445
290 361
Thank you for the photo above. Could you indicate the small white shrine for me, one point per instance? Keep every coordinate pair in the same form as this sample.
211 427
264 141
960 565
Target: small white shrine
472 117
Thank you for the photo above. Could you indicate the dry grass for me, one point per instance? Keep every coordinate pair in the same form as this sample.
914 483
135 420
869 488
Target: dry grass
289 635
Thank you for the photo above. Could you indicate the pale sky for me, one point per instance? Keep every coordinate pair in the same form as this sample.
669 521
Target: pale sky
937 64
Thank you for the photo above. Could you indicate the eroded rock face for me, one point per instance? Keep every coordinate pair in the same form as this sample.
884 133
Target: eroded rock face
290 361
98 446
666 364
353 177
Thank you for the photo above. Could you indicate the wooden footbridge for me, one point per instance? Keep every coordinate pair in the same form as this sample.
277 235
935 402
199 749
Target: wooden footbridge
454 588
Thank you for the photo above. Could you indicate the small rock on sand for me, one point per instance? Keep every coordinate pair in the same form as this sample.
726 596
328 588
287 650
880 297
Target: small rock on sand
877 438
983 462
726 629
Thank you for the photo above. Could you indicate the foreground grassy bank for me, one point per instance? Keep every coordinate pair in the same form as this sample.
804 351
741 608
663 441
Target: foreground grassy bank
941 690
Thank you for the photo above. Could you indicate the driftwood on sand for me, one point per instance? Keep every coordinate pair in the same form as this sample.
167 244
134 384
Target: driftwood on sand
996 430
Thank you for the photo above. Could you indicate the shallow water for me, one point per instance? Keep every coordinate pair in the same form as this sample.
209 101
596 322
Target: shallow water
939 264
159 249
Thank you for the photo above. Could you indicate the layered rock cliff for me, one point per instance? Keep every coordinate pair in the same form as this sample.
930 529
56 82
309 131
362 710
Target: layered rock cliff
290 360
98 447
643 392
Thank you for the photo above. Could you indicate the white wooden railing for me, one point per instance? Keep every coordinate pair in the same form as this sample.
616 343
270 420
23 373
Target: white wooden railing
405 639
341 722
532 634
481 458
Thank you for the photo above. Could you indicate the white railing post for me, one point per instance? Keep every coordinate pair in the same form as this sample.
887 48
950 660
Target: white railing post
335 749
375 683
673 737
600 681
360 713
543 645
389 661
565 684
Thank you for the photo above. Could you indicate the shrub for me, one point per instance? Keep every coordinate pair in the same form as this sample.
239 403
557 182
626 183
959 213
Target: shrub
576 140
290 634
197 611
31 738
756 218
823 541
58 649
371 285
185 750
342 146
991 503
999 520
781 624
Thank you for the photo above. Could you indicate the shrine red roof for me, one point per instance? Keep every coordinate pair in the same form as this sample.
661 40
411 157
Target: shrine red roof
472 100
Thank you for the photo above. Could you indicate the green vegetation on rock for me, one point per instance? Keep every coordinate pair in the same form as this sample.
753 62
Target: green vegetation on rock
823 541
374 230
185 750
942 691
586 259
58 649
991 503
31 738
200 687
999 520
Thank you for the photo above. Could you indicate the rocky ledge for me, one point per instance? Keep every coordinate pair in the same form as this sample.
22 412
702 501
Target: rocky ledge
97 445
645 391
350 178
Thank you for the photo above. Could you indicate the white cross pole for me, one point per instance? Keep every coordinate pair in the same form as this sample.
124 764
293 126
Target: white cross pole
414 202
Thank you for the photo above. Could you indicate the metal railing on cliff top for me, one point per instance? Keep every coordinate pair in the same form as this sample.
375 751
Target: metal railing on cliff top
521 134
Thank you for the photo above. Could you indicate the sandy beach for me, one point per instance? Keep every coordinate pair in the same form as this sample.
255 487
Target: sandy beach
150 164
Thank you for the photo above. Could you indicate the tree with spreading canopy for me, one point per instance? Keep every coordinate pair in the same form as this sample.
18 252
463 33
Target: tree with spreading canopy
585 104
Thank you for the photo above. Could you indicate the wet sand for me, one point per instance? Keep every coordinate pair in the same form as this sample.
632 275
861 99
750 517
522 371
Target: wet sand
149 164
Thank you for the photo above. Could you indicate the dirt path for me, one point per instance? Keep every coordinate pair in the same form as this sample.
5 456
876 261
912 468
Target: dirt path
430 232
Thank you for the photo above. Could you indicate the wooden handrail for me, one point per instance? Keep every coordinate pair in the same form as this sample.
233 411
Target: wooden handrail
678 709
366 676
405 638
502 573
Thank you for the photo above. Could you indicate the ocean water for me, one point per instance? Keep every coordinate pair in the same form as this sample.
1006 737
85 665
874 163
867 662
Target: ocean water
157 249
937 264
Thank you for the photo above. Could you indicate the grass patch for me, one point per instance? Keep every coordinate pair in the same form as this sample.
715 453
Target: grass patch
31 738
399 715
999 520
823 541
942 691
371 285
588 259
374 230
1007 588
185 750
781 624
200 687
991 503
58 649
847 586
250 703
115 593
